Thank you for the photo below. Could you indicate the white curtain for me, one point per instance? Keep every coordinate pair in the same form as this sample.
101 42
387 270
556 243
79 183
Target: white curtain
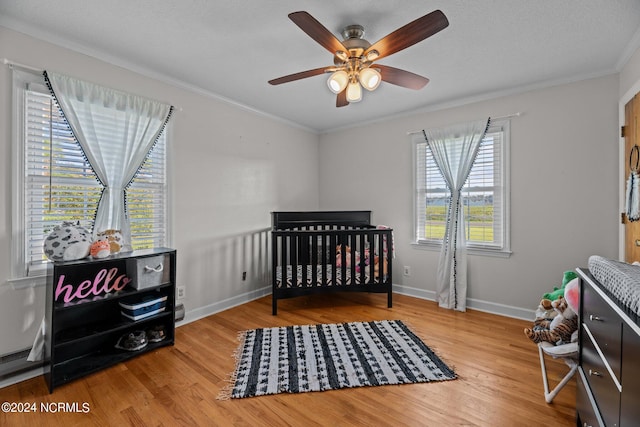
116 131
454 151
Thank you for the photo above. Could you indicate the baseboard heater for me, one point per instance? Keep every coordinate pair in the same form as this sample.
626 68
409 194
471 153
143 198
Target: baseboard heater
179 312
16 363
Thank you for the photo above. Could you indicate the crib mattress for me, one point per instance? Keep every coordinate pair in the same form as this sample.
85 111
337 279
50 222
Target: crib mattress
619 278
327 270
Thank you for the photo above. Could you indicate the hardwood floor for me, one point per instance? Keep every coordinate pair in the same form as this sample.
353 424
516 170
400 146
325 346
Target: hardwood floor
499 376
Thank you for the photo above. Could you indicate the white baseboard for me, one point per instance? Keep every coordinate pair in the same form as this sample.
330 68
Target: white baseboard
472 303
199 313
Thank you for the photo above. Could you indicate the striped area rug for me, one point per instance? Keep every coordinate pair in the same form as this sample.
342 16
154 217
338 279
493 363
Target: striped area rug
297 359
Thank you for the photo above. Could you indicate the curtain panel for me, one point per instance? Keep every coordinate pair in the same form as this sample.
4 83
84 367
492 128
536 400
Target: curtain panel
454 150
116 132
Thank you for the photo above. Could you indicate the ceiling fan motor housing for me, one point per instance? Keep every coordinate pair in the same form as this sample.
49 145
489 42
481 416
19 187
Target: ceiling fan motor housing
354 42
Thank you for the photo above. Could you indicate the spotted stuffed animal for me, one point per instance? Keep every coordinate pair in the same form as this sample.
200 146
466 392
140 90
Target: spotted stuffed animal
68 241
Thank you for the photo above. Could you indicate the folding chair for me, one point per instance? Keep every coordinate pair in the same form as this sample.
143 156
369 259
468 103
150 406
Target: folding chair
569 354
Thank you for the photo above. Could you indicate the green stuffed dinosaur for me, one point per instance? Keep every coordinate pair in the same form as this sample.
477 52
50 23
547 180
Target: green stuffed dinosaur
559 292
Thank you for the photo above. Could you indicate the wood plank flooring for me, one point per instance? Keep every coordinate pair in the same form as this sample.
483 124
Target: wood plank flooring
499 376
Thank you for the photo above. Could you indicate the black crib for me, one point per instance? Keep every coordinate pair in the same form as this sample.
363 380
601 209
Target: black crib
329 251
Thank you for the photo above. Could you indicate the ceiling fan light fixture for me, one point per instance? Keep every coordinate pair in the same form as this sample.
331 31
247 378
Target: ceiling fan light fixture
338 81
354 92
369 78
372 55
342 55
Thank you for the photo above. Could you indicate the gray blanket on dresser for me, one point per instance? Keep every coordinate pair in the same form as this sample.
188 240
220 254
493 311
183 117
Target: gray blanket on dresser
619 278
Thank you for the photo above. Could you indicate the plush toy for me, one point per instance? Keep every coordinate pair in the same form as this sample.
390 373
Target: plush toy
559 291
347 251
366 260
376 263
552 296
114 237
100 249
68 241
561 328
544 315
545 309
572 294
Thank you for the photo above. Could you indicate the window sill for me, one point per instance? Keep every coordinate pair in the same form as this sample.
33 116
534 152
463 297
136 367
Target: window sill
27 282
497 253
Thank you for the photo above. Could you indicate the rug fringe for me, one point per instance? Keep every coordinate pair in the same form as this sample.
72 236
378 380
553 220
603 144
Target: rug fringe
227 390
435 351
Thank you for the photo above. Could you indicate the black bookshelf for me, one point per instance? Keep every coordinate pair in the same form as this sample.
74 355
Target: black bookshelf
84 315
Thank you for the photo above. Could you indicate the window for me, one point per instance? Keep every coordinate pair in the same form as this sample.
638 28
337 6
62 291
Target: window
55 183
485 196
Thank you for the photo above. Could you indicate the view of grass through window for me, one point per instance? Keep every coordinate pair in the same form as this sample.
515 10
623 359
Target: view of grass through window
478 196
478 222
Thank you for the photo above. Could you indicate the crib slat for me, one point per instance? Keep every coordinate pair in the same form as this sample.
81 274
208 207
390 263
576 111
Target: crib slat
363 256
326 251
303 246
380 258
283 249
274 273
343 262
314 259
372 257
354 264
333 242
293 253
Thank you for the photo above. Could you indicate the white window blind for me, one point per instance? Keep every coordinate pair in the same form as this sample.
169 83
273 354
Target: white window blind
59 184
147 200
484 196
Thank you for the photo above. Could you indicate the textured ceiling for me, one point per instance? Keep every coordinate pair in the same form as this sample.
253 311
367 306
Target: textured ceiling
230 49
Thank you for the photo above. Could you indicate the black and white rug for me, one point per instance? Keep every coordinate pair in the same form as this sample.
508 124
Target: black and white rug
297 359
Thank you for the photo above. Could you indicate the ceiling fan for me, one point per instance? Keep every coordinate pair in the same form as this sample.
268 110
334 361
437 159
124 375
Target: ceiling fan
354 56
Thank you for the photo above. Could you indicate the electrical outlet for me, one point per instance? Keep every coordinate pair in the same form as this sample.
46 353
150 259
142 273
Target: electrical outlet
181 292
406 271
244 276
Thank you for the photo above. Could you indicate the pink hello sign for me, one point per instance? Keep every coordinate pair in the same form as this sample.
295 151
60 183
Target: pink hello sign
104 282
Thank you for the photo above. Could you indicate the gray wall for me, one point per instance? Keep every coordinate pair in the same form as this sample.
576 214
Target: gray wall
564 189
230 168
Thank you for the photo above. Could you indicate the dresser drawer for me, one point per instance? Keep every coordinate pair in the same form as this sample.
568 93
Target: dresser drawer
588 415
605 326
604 389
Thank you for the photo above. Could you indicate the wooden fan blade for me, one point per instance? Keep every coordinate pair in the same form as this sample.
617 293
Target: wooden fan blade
300 75
400 77
341 99
410 34
317 31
